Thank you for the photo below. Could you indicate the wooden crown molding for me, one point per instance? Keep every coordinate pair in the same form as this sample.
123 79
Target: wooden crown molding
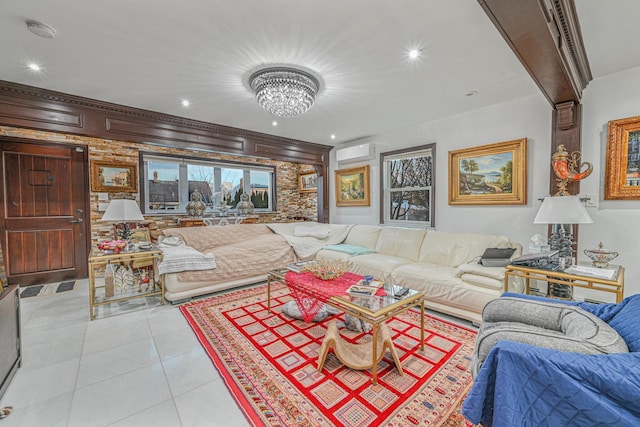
42 109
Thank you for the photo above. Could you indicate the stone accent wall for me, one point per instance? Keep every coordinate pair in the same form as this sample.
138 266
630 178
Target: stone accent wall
289 202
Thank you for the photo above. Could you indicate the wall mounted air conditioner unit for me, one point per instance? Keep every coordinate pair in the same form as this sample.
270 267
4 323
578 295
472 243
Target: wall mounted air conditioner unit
356 153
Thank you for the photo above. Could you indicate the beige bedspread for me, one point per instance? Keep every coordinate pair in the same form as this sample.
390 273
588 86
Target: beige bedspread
240 251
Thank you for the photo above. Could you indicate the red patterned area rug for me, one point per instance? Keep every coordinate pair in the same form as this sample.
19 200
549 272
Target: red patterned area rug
269 361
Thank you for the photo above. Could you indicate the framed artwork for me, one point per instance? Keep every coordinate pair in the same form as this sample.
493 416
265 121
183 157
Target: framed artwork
622 178
494 174
308 182
352 186
114 177
139 231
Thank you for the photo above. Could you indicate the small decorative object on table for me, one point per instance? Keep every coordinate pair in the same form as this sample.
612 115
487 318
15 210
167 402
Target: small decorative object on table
112 246
196 207
244 206
328 270
600 256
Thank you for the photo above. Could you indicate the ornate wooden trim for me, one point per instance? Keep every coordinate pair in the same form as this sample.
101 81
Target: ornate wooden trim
545 35
41 109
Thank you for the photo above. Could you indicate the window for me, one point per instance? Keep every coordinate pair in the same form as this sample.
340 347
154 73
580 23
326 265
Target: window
168 183
407 186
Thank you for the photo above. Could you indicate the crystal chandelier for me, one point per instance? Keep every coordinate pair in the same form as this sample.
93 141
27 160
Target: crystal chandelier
284 92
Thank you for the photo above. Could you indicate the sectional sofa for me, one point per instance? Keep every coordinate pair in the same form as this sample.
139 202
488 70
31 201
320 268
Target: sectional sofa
443 265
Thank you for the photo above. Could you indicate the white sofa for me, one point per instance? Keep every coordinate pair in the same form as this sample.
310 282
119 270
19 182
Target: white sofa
441 264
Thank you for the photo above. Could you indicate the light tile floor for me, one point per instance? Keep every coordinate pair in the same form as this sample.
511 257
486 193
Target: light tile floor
138 364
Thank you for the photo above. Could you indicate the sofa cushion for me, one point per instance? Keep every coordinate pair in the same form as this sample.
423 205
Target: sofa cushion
329 255
454 249
378 265
363 235
400 242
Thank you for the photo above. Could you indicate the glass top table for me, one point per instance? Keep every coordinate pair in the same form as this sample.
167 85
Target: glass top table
372 309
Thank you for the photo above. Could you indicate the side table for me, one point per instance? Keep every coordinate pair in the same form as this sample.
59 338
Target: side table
615 285
140 259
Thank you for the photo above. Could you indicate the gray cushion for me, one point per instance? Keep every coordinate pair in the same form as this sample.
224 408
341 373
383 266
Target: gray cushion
291 309
556 326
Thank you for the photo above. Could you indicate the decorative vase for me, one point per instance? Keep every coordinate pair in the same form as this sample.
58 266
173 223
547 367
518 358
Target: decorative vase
196 207
244 206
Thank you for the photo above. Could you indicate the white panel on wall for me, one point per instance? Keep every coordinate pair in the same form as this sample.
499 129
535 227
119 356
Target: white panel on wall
356 153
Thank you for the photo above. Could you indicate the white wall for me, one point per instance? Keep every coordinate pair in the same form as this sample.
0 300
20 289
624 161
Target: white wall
616 223
528 117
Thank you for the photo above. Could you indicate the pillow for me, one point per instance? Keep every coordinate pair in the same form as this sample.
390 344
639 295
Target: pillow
354 324
319 231
291 309
170 240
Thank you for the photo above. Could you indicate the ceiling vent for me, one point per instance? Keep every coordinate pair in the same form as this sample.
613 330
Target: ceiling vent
356 153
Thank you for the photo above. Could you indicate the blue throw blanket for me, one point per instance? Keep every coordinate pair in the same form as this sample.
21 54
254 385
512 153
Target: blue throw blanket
349 249
524 385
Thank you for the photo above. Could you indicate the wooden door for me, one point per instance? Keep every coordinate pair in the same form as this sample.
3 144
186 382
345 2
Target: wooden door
44 221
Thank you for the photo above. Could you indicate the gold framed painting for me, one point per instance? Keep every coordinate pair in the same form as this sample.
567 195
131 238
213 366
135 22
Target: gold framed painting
493 174
622 180
352 186
308 182
114 177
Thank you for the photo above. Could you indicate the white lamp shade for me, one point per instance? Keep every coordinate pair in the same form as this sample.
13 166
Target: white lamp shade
122 210
562 210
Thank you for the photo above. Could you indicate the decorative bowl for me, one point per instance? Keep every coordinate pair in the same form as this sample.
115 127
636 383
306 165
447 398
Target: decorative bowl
600 256
328 270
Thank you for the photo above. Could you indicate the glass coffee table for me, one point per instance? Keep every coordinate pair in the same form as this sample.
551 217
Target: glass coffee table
372 309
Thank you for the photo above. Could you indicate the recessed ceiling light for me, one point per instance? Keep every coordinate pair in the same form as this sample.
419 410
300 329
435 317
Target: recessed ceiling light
185 103
333 136
34 67
274 123
40 29
414 53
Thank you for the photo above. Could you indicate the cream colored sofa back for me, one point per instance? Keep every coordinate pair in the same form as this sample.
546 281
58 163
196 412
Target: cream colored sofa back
454 249
363 235
400 242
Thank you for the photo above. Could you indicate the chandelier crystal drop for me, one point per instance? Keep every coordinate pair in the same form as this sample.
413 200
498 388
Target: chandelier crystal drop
284 92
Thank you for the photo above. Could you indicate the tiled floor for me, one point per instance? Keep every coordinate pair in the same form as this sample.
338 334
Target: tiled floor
135 365
138 368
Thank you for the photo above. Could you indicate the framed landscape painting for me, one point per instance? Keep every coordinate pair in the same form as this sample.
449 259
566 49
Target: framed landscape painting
352 186
494 174
623 160
114 177
308 182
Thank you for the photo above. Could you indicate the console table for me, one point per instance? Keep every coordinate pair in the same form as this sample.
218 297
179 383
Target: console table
615 285
140 259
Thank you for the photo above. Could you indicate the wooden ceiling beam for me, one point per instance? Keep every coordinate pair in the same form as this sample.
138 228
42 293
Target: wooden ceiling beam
545 36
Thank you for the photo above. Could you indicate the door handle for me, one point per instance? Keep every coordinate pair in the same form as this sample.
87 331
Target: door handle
76 221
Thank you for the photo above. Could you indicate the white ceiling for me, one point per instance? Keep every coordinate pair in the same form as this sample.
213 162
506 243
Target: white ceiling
151 54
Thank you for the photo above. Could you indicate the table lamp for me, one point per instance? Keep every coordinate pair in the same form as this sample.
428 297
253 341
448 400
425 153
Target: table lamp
123 211
562 212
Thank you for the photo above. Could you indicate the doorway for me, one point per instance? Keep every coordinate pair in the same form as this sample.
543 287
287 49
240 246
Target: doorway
43 222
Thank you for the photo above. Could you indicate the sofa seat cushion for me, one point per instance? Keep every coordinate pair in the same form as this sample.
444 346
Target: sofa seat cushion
440 285
329 255
482 281
378 265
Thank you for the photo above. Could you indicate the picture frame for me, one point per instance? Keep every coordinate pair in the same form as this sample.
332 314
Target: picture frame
114 177
352 186
622 177
308 182
493 174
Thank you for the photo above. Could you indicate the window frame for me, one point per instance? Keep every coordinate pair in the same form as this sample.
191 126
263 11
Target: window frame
247 168
385 191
